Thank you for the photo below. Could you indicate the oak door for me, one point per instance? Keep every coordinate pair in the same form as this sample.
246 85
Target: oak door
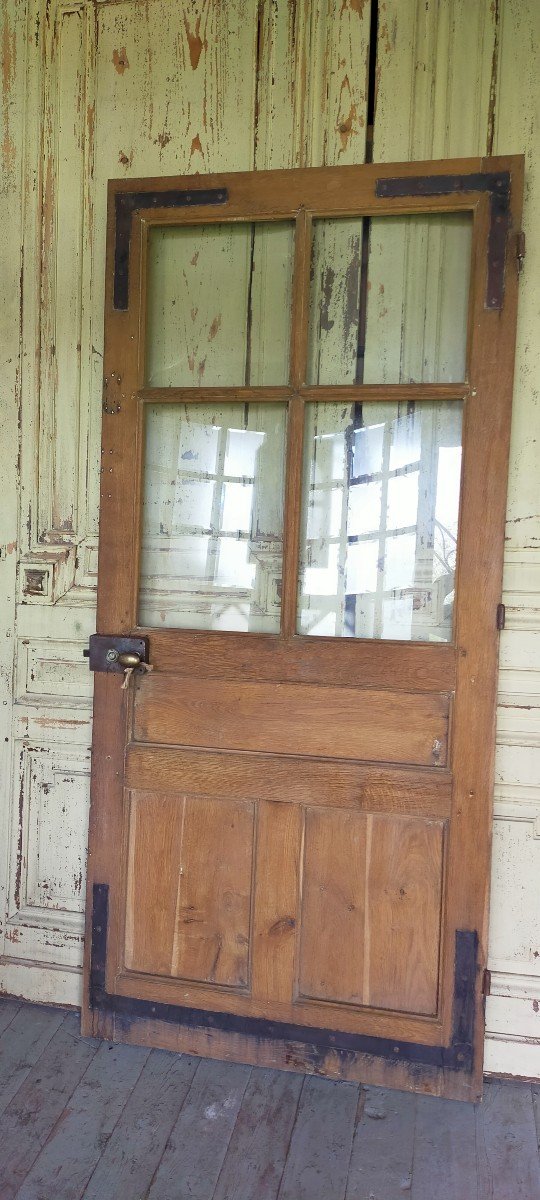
300 566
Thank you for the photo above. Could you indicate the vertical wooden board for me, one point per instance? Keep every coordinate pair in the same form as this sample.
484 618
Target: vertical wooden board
132 1155
403 913
197 315
336 135
40 1101
331 962
174 93
311 111
68 1158
318 1159
517 127
65 346
429 58
507 1143
383 1146
337 72
258 1148
198 1143
434 66
270 300
275 918
155 825
212 923
312 83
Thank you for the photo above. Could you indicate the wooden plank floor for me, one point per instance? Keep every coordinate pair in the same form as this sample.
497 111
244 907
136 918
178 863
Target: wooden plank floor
84 1119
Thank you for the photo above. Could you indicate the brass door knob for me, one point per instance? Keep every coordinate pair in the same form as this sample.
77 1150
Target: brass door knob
129 659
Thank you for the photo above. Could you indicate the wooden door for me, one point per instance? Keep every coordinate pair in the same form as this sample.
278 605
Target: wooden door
301 535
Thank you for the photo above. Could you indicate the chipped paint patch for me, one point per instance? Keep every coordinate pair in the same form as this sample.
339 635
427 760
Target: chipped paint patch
196 44
9 61
120 60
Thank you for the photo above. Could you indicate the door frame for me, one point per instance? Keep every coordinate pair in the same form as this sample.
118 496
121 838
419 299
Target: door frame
492 190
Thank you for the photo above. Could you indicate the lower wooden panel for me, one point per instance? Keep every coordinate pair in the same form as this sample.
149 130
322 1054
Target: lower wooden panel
326 914
296 719
189 887
371 910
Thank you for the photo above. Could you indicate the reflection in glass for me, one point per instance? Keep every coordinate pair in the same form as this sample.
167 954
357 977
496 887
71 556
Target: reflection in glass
389 299
380 520
212 516
218 304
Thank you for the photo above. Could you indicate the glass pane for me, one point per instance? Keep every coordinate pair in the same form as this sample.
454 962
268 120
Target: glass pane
380 520
389 299
212 516
219 304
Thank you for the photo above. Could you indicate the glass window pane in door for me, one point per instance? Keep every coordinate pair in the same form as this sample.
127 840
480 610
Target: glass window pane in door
389 299
219 304
380 507
212 516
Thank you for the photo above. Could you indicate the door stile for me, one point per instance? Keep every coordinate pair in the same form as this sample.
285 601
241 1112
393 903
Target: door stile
479 574
115 614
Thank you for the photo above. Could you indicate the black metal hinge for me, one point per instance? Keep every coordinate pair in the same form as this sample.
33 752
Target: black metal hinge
128 203
521 251
501 616
486 982
496 184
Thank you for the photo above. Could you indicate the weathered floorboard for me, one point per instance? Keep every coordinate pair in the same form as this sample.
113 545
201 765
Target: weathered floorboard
382 1154
444 1151
22 1043
198 1143
91 1121
536 1106
34 1110
128 1163
75 1146
507 1143
8 1011
318 1159
258 1148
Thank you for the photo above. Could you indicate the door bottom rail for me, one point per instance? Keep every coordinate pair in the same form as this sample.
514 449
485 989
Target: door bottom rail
458 1056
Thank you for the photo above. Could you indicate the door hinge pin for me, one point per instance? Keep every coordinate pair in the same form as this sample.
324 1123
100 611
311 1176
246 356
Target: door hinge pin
501 616
520 250
486 982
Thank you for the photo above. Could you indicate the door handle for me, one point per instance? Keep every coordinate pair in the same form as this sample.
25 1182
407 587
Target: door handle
129 659
117 654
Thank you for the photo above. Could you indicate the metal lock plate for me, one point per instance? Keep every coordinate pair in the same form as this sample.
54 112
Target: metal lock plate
104 652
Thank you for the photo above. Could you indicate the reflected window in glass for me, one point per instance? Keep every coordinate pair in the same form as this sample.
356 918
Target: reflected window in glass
379 530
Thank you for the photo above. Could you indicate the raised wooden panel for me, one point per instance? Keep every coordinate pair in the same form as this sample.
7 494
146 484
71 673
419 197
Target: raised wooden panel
333 899
403 916
294 719
189 888
371 910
